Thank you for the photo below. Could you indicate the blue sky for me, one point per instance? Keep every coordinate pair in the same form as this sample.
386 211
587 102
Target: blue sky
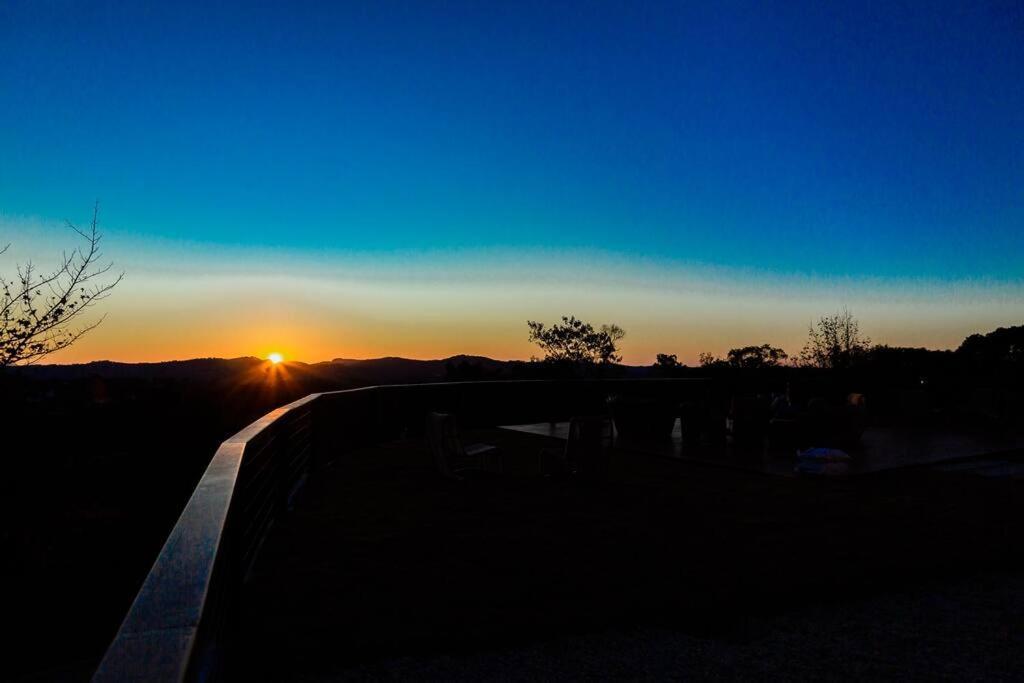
830 140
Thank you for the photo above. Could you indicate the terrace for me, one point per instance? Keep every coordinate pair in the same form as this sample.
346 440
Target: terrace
322 543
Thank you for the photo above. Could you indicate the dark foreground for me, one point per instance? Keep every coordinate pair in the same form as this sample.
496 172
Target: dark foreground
666 569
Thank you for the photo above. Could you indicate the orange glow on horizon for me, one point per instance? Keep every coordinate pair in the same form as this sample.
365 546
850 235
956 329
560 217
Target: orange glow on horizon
275 358
430 321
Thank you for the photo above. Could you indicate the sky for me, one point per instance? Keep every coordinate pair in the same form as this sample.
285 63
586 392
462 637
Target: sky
419 179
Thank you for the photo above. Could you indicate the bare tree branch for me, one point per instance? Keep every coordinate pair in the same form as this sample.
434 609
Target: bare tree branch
39 313
834 341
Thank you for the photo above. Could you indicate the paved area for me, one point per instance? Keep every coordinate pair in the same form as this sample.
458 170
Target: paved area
664 570
957 629
879 449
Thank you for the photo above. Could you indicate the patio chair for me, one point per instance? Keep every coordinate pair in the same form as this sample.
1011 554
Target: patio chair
586 452
453 459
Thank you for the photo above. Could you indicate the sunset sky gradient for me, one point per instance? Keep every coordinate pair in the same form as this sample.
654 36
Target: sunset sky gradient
419 179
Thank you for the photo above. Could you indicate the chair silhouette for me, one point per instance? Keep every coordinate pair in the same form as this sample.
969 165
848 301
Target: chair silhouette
586 451
453 459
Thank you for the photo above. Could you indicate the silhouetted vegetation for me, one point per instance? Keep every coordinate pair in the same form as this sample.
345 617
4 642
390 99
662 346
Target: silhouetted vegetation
666 360
751 357
763 356
709 360
834 341
576 341
1001 347
38 310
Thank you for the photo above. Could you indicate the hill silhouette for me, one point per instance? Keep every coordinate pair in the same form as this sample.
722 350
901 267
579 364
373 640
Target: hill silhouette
995 352
342 370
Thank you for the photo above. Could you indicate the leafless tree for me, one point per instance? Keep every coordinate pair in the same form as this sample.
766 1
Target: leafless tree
834 342
42 312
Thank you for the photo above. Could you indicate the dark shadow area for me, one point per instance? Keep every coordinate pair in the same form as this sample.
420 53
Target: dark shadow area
384 560
101 458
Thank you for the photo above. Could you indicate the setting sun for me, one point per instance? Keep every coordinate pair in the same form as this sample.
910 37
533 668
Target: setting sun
275 358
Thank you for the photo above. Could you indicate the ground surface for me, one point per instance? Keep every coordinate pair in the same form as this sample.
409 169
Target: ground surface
662 570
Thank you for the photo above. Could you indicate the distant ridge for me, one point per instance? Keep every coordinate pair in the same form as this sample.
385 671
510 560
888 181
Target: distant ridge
451 359
191 368
341 372
393 369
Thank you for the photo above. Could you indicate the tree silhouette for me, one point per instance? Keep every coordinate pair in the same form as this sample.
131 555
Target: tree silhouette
577 341
709 360
763 356
39 311
667 360
834 342
1003 346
